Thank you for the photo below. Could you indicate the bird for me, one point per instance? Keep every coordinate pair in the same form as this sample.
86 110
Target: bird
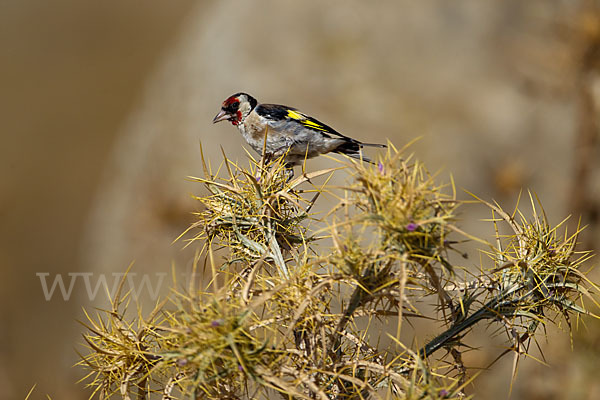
288 131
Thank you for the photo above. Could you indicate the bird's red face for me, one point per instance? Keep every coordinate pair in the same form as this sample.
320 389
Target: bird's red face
230 110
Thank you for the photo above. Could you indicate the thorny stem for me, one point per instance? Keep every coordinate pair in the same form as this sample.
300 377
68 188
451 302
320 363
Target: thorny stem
488 310
440 340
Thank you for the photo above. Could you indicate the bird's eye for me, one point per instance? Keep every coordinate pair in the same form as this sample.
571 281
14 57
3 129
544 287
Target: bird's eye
235 104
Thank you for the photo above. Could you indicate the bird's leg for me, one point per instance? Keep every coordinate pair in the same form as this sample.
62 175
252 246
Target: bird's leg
266 158
288 172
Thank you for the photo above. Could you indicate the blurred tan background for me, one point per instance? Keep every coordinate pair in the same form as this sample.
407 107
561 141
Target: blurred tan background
103 106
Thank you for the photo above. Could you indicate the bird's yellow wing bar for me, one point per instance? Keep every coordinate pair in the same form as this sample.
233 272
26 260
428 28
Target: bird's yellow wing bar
307 121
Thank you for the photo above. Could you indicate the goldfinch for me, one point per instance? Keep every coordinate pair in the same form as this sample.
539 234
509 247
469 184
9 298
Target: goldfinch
288 130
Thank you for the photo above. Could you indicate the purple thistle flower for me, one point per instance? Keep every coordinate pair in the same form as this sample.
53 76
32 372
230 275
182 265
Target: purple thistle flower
380 167
411 227
181 362
443 393
216 323
240 368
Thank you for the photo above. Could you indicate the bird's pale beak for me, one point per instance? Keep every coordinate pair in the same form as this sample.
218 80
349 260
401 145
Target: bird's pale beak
221 116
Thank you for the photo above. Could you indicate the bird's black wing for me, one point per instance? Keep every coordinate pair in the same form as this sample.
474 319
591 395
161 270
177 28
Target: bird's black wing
278 112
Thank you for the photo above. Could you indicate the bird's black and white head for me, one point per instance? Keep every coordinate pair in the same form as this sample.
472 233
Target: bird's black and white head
236 108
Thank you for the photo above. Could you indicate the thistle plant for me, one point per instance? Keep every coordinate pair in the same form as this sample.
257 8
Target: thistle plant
306 305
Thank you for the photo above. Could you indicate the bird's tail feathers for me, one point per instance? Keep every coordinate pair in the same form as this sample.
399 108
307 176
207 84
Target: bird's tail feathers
359 156
352 149
382 146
